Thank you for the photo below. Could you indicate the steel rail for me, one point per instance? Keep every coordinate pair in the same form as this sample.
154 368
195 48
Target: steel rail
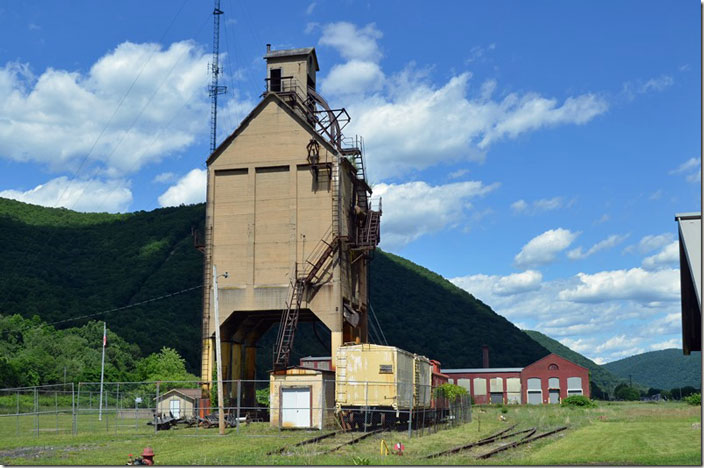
520 442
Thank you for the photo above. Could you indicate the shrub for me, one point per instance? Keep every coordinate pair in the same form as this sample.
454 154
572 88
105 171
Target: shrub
450 391
263 396
578 401
504 410
694 399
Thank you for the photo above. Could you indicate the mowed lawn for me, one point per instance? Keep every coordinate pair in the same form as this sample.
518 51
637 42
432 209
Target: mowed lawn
611 434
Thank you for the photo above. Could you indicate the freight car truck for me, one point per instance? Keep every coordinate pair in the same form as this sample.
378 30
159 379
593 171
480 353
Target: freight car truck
377 384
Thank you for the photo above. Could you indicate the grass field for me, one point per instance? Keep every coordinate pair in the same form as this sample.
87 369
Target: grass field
612 434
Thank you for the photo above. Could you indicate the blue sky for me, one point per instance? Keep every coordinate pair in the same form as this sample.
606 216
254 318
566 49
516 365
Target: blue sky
534 153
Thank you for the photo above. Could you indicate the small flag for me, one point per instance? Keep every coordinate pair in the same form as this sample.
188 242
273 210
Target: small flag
105 338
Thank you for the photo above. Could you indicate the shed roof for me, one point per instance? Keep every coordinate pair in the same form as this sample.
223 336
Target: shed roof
190 393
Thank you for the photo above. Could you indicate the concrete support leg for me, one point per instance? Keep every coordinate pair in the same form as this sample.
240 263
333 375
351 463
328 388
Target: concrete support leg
207 367
237 366
226 350
249 397
335 342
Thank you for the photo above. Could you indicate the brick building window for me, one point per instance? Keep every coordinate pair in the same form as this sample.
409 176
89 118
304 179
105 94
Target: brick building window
553 367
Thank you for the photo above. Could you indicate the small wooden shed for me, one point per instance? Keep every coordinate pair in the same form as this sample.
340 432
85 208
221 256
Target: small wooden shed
301 397
181 402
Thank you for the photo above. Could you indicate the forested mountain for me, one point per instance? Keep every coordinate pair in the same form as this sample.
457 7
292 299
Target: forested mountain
664 369
59 264
602 378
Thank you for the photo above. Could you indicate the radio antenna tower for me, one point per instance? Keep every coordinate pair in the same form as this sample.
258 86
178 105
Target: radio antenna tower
214 89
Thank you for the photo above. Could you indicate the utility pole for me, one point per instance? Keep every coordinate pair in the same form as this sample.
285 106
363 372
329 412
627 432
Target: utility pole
218 350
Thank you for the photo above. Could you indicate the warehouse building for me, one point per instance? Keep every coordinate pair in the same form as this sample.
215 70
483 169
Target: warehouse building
548 380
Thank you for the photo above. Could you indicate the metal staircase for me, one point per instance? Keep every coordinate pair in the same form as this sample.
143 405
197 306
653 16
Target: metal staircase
306 276
369 232
287 327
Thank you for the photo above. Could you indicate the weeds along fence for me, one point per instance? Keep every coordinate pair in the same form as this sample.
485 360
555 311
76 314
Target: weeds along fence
311 402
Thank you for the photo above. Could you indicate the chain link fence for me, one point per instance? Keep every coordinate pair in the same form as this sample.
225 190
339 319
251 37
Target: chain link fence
305 401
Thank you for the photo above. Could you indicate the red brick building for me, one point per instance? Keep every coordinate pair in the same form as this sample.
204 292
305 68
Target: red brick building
548 380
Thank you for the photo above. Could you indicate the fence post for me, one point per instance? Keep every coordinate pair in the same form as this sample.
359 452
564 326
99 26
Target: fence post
156 408
56 409
18 412
73 409
36 412
78 405
239 393
117 407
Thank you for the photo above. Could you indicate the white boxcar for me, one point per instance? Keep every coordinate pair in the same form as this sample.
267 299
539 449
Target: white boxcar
368 375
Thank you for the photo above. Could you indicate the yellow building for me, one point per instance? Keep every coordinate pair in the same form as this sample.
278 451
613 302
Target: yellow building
289 218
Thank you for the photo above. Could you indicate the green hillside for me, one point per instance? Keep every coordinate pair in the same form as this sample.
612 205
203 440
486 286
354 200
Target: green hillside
602 378
59 264
664 369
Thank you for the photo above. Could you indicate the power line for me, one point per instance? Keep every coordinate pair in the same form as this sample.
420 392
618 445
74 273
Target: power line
109 311
153 299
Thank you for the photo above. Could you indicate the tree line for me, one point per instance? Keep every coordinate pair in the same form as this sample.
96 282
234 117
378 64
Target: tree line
35 353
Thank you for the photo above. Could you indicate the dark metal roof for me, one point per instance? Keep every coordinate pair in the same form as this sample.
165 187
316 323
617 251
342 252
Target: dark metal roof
482 370
289 52
302 51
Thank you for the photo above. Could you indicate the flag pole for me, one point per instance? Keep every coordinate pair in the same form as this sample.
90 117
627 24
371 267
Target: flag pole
102 373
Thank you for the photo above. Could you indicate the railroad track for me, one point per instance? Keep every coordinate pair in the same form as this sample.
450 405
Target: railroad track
503 440
328 443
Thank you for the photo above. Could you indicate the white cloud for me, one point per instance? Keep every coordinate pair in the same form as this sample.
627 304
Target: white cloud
635 284
483 286
519 206
351 42
582 326
673 343
416 208
668 256
650 242
417 125
164 178
478 52
411 124
691 169
610 242
544 204
617 342
353 77
669 324
544 248
80 195
518 115
188 190
136 105
310 8
630 88
458 173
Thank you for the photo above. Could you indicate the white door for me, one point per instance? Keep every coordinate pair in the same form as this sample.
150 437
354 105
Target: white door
175 407
295 407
